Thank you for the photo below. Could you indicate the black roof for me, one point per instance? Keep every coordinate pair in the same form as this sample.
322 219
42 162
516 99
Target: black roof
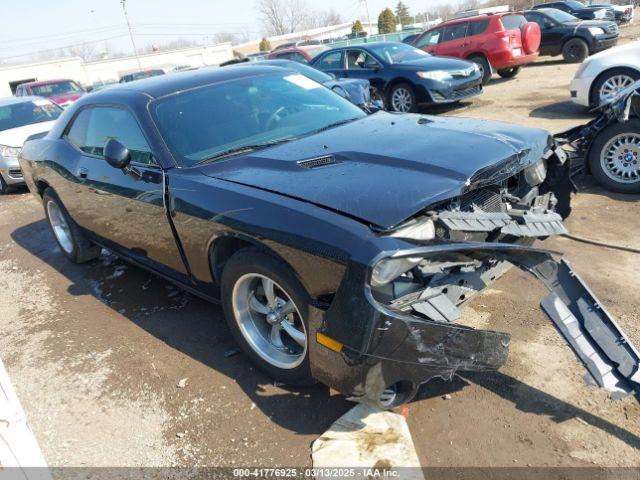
166 84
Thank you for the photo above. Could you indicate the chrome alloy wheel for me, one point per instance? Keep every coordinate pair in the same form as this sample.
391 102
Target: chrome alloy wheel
401 100
613 85
60 226
620 158
269 320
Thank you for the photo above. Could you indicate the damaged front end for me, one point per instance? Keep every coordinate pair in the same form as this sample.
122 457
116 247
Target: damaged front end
577 141
397 322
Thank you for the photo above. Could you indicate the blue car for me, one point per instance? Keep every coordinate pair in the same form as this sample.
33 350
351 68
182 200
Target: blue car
403 75
356 90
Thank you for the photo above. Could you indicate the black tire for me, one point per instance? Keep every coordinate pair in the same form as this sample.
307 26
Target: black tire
4 188
597 147
594 96
413 108
82 249
575 50
509 72
254 261
485 68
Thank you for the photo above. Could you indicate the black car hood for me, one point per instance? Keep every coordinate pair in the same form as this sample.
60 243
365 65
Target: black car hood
388 166
588 23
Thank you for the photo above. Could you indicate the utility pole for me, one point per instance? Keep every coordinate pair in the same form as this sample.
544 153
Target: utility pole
133 43
366 4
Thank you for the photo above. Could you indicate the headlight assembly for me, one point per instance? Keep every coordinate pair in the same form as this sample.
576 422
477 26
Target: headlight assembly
596 31
7 151
535 174
420 229
389 269
438 75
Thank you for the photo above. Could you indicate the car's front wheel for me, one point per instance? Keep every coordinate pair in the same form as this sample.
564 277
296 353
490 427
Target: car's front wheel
4 188
483 65
266 309
509 72
610 83
614 157
402 98
575 50
71 240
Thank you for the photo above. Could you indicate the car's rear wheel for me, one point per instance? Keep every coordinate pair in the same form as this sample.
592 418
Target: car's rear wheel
509 72
610 83
71 240
483 65
266 309
402 99
575 50
614 158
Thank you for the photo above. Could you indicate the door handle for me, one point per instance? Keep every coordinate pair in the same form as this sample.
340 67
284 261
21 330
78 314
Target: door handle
83 172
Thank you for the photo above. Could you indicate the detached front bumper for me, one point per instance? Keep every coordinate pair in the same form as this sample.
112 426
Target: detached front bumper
366 347
603 42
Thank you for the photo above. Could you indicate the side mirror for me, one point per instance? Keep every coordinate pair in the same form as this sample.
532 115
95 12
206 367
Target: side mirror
116 154
341 91
332 75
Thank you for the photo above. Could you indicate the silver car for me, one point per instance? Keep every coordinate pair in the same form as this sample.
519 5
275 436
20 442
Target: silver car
21 117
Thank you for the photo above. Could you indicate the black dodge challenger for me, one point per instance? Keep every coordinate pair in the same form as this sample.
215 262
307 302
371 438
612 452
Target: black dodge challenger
341 245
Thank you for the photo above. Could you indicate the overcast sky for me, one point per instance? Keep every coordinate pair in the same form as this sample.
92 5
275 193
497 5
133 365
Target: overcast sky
35 25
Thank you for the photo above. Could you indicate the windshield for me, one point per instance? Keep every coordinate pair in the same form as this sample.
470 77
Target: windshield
558 15
26 113
306 70
313 52
393 53
58 88
575 5
206 122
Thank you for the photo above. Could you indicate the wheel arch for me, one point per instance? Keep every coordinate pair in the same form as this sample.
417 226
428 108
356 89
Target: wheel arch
480 53
595 81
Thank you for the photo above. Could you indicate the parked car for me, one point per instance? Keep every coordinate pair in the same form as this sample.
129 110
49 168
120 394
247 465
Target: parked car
608 147
302 54
130 77
299 43
621 15
63 92
403 75
356 90
575 39
410 38
580 10
501 42
20 118
341 245
602 76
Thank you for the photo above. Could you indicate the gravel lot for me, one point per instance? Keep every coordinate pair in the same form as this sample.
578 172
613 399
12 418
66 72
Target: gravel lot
97 352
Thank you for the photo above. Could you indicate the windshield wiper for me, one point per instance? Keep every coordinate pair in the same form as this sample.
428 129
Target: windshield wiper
335 124
243 149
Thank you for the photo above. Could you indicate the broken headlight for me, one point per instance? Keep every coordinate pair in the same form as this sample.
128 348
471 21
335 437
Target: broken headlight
535 174
418 229
389 269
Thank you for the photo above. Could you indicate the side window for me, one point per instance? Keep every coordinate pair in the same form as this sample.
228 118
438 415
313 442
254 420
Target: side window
454 32
541 20
513 22
283 56
359 59
298 57
429 39
93 127
331 61
478 27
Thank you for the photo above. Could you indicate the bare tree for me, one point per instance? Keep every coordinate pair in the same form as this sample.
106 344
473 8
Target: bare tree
86 51
287 16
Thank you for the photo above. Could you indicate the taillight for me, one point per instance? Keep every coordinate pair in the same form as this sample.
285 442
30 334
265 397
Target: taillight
503 35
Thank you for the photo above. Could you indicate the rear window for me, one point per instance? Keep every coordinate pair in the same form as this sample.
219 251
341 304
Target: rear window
476 28
513 22
26 113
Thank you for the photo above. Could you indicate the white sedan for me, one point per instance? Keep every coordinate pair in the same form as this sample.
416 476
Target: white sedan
21 117
602 75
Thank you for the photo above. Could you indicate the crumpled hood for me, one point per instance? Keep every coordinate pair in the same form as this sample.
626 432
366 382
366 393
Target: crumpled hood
388 166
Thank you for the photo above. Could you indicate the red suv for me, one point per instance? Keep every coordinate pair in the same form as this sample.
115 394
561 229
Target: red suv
501 42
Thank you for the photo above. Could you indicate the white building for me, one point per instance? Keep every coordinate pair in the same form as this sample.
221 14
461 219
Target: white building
111 69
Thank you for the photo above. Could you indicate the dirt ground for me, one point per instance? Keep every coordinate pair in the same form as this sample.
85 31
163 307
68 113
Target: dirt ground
97 352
